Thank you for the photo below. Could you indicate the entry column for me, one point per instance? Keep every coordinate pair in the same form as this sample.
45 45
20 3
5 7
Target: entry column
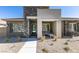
58 29
28 27
39 28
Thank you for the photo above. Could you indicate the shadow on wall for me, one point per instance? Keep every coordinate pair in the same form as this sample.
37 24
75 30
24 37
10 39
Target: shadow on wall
15 39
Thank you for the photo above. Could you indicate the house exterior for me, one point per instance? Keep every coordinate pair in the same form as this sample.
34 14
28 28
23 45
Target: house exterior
39 20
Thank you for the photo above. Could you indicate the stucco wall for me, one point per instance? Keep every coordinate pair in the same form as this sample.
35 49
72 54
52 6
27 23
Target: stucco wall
39 28
53 15
3 27
58 29
3 31
49 13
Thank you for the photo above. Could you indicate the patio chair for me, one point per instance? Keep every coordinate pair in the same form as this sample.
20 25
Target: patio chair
48 34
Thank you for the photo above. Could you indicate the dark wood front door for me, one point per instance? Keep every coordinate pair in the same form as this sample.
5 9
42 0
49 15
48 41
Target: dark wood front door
33 29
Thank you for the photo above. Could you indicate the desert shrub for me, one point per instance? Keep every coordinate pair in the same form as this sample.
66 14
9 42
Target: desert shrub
39 38
12 46
51 44
66 43
18 39
55 38
66 49
45 50
68 40
42 39
7 39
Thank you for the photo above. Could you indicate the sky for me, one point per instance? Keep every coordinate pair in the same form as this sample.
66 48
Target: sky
11 11
17 11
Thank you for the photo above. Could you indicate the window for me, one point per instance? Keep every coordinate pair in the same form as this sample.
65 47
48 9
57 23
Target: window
46 27
18 27
34 28
72 27
78 27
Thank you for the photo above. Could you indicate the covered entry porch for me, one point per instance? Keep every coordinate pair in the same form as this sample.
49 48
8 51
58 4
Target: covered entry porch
49 26
48 29
70 28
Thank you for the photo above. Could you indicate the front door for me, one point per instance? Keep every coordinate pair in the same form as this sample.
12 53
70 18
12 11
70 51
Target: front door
33 29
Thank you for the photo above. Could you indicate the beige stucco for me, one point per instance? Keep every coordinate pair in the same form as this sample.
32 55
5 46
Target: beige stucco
58 29
3 28
39 28
48 13
3 32
52 15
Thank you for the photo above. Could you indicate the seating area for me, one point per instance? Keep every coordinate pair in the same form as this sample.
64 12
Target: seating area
48 35
71 34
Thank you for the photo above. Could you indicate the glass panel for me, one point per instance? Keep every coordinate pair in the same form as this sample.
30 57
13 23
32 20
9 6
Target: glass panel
18 27
33 28
75 27
72 27
46 27
78 27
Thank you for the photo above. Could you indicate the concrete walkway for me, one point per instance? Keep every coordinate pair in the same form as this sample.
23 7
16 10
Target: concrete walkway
29 47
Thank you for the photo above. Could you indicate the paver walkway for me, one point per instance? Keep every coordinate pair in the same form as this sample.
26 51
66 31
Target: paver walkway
29 46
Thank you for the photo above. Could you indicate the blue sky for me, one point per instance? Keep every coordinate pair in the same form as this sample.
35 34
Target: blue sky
17 11
11 11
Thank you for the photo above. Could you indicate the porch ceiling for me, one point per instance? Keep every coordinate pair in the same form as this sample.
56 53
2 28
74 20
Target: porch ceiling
70 19
31 17
49 20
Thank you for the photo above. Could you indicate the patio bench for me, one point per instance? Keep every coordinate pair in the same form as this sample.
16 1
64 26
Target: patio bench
50 35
